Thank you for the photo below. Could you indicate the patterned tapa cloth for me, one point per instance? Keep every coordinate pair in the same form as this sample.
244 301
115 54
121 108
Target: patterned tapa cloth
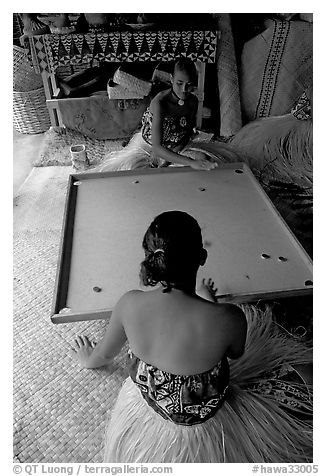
50 51
276 68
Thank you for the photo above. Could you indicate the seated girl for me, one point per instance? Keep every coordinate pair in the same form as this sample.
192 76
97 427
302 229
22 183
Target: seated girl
167 127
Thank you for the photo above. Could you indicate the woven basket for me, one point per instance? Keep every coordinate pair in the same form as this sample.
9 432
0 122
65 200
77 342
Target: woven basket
17 29
115 91
162 76
127 81
30 113
24 76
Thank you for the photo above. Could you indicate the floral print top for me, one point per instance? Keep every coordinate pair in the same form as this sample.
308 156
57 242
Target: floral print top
182 399
175 129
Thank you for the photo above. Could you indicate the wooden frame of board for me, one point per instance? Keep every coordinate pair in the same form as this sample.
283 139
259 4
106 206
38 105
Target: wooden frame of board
248 242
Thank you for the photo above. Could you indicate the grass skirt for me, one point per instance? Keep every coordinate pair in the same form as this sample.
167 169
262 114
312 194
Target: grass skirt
138 154
255 424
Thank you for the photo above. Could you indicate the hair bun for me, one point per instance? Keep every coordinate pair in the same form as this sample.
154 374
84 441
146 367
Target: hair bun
172 245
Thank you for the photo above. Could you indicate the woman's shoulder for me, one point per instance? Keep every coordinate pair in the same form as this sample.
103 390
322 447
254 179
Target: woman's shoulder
131 294
234 316
232 311
230 315
160 100
129 299
161 96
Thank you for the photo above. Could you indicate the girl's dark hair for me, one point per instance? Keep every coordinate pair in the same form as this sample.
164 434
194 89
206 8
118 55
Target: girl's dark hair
172 245
188 66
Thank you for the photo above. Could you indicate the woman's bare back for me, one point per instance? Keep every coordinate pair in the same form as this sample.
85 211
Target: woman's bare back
182 333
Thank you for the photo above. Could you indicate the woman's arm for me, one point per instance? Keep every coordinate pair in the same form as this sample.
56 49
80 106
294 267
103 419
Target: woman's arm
110 345
164 153
238 327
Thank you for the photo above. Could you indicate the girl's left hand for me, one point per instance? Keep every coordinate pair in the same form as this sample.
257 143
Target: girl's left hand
83 350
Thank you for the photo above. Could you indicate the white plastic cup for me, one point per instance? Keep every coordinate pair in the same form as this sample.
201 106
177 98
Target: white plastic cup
79 157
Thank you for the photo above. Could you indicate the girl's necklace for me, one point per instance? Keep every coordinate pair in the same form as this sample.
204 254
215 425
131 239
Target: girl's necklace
180 101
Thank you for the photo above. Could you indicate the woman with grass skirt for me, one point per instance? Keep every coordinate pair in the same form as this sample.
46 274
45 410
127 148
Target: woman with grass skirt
208 382
167 127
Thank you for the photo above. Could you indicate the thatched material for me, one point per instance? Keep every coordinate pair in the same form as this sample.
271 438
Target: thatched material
279 147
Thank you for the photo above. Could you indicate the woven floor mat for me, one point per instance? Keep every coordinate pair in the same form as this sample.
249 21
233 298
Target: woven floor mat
60 410
55 150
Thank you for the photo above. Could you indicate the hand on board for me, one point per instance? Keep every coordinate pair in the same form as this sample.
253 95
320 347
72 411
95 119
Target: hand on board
83 350
202 164
207 290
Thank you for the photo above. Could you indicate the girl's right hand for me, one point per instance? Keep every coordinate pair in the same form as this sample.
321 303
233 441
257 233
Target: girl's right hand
202 164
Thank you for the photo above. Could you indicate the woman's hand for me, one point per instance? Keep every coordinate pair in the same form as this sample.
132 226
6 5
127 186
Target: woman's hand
83 350
210 286
207 290
201 163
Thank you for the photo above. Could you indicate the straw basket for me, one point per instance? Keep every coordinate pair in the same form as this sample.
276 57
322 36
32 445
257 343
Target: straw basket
115 91
24 76
132 83
30 114
17 28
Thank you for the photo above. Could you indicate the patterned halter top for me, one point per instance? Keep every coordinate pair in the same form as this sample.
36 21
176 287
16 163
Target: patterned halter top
175 129
182 399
